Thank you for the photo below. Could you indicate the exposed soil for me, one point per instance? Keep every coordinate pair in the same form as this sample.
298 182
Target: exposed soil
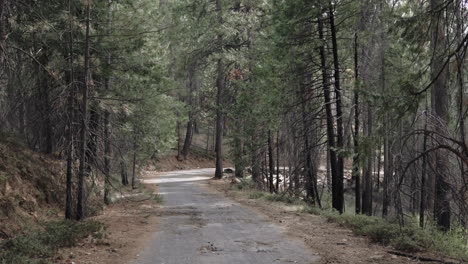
335 244
130 224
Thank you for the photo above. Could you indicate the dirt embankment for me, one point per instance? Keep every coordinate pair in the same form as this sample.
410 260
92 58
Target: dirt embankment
31 187
333 243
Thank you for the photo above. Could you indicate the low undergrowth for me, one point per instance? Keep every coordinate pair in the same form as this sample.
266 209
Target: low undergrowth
39 245
408 238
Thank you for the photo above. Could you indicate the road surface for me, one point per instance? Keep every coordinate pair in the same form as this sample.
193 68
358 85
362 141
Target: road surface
198 226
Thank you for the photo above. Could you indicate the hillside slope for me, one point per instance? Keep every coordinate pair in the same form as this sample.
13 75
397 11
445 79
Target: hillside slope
31 187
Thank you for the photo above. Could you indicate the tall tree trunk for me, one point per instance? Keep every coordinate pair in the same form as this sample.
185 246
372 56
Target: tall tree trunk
337 181
440 110
191 122
329 113
278 161
356 170
422 198
368 179
311 182
107 145
256 167
271 164
220 83
80 207
135 148
219 120
107 178
70 117
188 138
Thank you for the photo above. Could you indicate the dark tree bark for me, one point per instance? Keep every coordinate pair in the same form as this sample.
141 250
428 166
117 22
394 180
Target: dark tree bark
107 145
337 181
356 170
107 153
46 131
80 207
219 120
328 109
135 148
70 118
191 115
422 198
123 173
256 158
368 181
271 164
220 83
440 105
278 161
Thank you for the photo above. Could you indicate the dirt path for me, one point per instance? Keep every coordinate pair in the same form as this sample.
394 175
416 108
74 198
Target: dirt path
333 243
200 226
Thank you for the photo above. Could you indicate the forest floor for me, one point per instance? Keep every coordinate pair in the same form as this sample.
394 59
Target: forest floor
130 223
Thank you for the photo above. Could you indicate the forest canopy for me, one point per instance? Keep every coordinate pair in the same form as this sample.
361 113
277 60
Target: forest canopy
351 105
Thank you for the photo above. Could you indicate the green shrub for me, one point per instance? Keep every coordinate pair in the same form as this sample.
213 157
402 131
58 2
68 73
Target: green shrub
452 243
256 195
408 238
67 233
311 210
405 243
245 184
33 246
379 232
27 245
281 198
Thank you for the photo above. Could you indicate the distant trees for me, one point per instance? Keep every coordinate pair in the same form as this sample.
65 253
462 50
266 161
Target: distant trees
341 82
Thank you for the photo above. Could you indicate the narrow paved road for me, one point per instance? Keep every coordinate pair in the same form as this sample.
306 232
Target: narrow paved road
201 227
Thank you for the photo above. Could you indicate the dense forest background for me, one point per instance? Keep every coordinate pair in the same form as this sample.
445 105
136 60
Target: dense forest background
352 105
